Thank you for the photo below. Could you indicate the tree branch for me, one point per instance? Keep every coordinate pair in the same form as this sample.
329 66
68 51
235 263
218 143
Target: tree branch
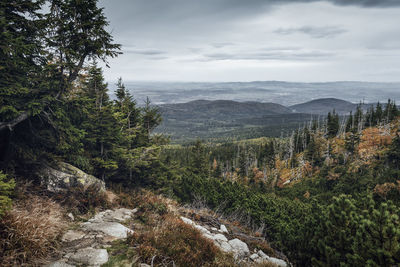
10 125
74 74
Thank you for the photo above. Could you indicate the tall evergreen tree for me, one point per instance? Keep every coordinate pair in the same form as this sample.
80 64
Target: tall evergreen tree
102 135
43 56
332 124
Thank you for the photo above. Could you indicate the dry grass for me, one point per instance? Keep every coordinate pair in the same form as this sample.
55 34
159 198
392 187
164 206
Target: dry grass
82 200
174 241
238 223
29 231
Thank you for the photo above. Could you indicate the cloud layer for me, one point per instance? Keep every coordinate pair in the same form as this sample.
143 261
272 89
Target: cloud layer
232 40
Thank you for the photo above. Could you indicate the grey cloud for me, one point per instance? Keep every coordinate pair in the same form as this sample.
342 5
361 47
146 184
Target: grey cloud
221 45
315 32
147 52
271 55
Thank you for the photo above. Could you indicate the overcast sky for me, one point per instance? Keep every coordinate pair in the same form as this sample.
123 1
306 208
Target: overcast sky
248 40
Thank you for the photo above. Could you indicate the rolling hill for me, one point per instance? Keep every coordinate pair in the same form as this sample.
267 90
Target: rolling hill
226 119
324 105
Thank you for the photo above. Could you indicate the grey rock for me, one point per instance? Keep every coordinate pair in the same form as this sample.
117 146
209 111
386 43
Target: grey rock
59 263
144 265
112 229
208 236
187 221
279 262
220 237
71 216
262 254
72 235
63 175
202 229
265 258
223 229
118 215
239 248
224 246
254 256
90 256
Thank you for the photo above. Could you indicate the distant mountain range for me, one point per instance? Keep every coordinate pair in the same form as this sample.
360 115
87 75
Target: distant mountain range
218 119
324 105
284 93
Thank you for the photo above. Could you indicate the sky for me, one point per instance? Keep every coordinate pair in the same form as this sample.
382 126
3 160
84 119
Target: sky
255 40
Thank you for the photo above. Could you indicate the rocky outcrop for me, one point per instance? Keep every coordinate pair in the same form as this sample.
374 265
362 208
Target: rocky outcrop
87 244
236 247
61 176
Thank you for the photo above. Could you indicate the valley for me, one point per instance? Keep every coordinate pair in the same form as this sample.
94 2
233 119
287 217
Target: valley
227 120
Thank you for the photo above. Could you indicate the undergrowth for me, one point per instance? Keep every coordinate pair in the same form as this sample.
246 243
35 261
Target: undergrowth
30 231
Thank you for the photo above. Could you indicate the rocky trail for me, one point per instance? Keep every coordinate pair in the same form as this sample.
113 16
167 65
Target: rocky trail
235 246
86 244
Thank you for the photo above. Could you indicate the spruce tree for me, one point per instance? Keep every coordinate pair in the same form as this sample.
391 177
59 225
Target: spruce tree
332 124
102 135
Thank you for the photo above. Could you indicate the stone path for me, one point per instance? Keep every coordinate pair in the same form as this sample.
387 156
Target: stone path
238 248
87 244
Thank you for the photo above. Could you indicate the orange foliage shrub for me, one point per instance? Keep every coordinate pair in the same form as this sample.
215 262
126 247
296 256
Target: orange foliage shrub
373 141
382 190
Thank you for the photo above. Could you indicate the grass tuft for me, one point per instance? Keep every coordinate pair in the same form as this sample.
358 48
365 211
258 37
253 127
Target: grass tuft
30 230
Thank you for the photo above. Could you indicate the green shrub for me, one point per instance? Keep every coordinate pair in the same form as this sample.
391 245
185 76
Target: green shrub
6 189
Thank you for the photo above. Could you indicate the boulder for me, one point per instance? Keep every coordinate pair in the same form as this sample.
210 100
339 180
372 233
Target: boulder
254 256
223 229
118 215
262 254
62 175
202 229
187 221
220 237
112 229
239 248
90 256
279 262
224 246
60 263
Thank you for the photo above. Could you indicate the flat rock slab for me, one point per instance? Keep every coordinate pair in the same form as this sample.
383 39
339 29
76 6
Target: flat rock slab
59 263
118 215
72 235
90 256
113 229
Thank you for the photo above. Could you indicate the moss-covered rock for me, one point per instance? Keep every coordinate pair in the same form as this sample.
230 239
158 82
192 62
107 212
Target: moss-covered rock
61 176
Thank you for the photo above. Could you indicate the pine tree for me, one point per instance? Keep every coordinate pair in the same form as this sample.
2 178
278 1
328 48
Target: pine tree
42 56
199 159
335 237
378 113
377 240
151 117
349 123
102 135
332 124
394 152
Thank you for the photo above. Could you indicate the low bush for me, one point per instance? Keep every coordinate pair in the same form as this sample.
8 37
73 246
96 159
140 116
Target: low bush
6 189
174 241
82 200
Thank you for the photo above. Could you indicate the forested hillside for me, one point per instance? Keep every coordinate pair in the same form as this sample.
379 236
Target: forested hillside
328 194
